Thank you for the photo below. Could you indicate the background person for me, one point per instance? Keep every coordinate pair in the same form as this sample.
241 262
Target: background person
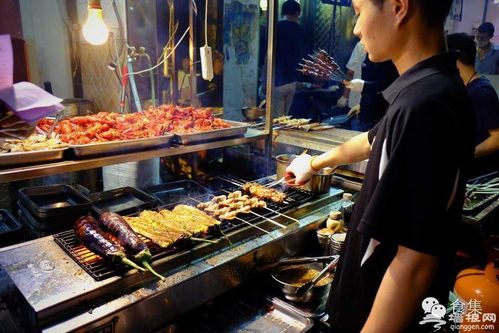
399 248
485 105
487 60
289 51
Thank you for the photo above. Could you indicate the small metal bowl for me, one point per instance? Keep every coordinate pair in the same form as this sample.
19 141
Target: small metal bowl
252 113
316 294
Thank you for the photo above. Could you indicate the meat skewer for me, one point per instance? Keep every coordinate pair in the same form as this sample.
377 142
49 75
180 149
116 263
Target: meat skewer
104 244
263 192
128 239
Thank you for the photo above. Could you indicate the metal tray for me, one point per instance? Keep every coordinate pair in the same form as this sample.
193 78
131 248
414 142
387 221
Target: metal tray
123 201
236 128
53 201
102 148
31 157
177 191
10 228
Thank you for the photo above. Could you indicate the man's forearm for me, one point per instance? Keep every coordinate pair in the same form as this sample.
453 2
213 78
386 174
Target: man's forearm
404 285
354 150
489 145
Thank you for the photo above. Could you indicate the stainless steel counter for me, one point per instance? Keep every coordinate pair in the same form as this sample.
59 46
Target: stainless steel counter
54 294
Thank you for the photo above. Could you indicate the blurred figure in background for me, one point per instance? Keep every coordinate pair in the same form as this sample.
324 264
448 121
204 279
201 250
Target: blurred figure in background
485 105
289 51
184 81
487 60
354 71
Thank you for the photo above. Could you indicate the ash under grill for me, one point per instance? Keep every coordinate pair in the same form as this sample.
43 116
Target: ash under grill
100 269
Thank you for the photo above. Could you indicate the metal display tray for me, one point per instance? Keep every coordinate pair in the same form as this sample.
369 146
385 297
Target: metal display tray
236 128
102 148
31 157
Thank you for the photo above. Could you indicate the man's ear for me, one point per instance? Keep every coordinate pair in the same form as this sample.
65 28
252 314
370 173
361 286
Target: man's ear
401 10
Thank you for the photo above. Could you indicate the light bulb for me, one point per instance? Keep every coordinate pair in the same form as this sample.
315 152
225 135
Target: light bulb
95 30
264 5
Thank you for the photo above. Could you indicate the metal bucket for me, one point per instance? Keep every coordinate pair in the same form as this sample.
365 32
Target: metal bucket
319 183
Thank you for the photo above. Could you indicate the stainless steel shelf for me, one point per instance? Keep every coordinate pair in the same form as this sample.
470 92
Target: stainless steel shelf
40 170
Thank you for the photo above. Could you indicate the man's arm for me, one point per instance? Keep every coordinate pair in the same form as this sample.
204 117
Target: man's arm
354 150
489 145
404 285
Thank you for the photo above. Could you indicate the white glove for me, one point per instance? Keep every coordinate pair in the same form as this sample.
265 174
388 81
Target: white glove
301 168
342 102
354 111
356 85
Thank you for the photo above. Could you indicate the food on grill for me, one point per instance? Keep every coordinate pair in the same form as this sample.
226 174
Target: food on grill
227 207
263 192
127 238
288 121
102 243
34 142
112 126
167 227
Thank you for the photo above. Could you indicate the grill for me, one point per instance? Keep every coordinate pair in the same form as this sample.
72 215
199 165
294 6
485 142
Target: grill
100 269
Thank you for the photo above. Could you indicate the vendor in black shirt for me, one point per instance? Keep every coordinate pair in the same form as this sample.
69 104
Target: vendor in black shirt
485 105
399 246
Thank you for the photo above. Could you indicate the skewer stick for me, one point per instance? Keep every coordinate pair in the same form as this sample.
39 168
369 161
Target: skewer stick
251 224
203 240
270 220
284 215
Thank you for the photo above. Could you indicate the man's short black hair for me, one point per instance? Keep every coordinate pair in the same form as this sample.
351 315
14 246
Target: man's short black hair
465 45
290 7
434 11
488 28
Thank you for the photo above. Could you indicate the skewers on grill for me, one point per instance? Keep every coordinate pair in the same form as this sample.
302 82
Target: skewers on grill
263 192
227 207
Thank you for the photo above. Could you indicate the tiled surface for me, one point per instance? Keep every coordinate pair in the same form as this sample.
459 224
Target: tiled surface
100 84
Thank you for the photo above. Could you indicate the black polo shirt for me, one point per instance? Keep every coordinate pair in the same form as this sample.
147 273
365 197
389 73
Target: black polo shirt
418 147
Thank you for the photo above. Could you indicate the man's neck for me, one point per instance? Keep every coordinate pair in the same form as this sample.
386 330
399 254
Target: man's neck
486 48
418 47
290 18
467 73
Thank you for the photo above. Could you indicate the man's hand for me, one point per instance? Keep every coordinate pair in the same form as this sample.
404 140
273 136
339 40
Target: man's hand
354 111
301 168
356 85
342 102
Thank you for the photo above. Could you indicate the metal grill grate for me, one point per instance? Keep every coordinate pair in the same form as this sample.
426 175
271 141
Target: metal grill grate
101 269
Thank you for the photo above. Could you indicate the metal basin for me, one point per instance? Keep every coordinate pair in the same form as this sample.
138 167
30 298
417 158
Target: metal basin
291 277
319 183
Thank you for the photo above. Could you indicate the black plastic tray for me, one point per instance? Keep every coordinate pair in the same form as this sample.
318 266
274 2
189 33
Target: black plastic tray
56 224
10 228
124 201
28 220
53 200
177 191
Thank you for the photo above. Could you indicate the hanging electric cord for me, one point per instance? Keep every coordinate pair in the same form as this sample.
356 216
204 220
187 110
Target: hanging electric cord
120 27
206 23
72 27
166 57
169 40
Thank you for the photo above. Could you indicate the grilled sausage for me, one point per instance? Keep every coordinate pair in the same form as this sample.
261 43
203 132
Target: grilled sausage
88 231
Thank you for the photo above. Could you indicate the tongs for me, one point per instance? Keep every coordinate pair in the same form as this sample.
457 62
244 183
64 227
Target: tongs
308 285
58 118
296 261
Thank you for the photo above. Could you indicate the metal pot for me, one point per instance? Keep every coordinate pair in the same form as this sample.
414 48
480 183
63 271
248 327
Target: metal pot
286 279
319 183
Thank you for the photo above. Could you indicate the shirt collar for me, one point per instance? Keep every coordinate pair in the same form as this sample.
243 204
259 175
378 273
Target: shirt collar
443 62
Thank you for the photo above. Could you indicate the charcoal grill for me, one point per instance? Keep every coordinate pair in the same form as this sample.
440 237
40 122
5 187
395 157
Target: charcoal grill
56 294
